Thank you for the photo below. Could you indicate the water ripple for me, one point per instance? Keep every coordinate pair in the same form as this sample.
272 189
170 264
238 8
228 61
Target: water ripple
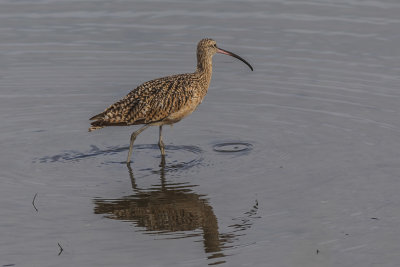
182 157
232 147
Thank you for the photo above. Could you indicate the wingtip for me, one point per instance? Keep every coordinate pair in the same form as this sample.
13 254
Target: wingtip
97 116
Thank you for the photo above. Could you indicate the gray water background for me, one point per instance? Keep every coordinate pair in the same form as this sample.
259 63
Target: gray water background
313 178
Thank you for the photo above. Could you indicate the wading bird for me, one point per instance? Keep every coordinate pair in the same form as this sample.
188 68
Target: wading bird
165 100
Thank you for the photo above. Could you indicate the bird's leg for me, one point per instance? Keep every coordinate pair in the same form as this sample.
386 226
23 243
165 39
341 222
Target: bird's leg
133 137
161 143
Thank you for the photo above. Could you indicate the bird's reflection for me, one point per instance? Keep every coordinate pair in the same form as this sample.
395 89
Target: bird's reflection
168 208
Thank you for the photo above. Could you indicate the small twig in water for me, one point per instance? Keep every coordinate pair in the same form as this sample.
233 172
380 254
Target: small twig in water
61 249
33 202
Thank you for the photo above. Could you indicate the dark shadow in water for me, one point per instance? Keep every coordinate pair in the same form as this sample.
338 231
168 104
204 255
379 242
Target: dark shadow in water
236 148
73 155
94 151
172 211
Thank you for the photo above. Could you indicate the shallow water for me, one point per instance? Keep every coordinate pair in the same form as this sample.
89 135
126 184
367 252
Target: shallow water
294 164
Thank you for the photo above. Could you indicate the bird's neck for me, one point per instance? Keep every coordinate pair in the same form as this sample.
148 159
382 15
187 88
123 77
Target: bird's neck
204 68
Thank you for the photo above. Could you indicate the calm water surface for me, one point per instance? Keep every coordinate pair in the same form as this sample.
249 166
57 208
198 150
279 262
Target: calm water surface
294 164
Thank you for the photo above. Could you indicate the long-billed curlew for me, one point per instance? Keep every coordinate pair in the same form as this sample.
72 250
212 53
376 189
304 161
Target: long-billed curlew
165 100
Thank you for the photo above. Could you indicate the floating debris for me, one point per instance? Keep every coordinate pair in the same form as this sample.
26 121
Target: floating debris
33 202
61 249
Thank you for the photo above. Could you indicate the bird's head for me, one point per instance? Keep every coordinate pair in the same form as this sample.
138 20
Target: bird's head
208 47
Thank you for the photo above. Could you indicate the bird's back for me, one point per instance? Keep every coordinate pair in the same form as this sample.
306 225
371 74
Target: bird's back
154 101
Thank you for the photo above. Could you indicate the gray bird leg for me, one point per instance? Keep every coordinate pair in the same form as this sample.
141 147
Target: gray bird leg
133 137
161 143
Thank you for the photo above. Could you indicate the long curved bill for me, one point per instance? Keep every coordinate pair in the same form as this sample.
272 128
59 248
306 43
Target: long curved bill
222 51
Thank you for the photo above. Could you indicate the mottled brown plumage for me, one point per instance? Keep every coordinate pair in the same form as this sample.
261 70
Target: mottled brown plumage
165 100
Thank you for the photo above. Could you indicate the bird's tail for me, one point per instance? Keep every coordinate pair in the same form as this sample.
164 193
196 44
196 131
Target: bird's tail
92 128
96 125
107 118
101 123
